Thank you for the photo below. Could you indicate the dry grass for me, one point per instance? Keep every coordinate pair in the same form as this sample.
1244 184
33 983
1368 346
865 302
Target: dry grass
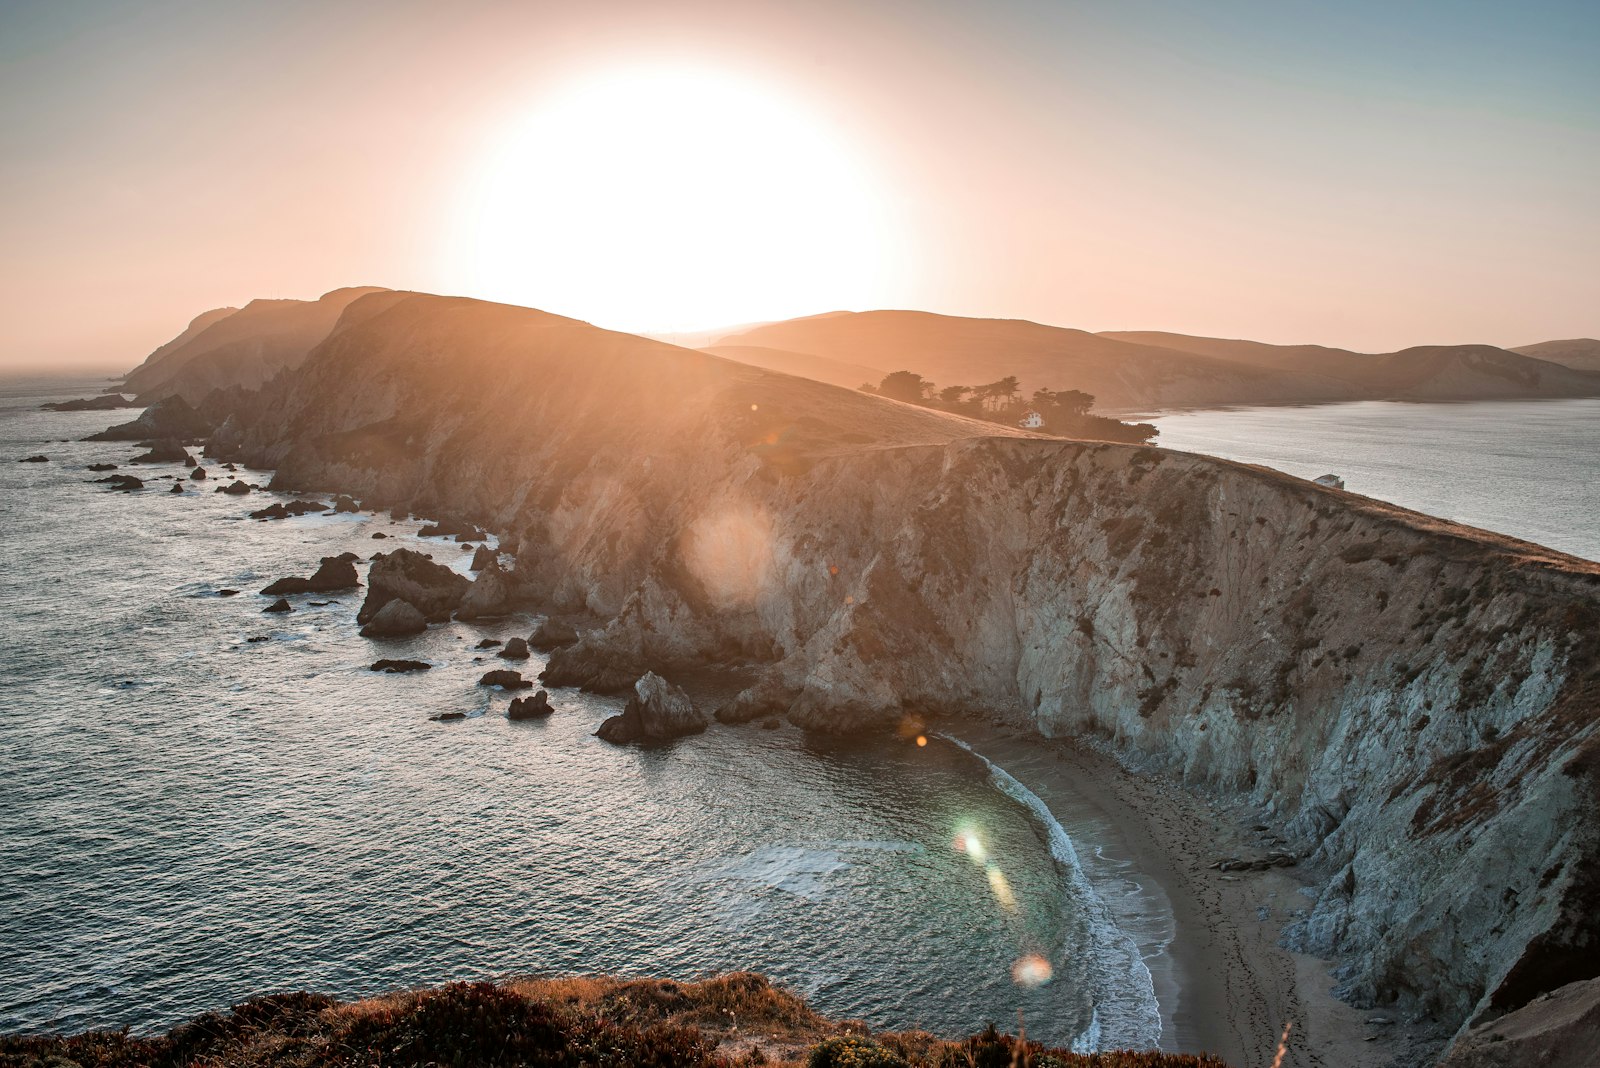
729 1021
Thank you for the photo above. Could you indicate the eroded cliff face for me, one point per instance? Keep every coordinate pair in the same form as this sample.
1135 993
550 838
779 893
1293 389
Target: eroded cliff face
1413 703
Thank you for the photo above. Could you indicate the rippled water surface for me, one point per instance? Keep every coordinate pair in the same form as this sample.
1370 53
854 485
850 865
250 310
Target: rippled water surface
1530 469
188 818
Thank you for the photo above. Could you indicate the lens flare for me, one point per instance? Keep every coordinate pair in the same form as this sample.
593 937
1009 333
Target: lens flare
1001 888
970 844
1031 971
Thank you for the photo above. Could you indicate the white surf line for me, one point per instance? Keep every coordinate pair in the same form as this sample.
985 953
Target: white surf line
1127 1014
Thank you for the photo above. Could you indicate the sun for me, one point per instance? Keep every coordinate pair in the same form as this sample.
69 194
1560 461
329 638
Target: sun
663 198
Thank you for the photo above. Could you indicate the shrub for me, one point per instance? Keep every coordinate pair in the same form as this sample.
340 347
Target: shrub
849 1051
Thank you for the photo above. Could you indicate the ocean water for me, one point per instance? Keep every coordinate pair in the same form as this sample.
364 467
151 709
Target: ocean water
189 818
1530 469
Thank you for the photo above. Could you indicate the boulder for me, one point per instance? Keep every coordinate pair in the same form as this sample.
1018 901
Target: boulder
227 593
1331 481
198 474
505 679
432 589
35 459
536 706
280 605
379 534
399 667
1558 1029
123 482
165 451
595 670
235 487
516 649
483 558
177 487
396 619
551 634
489 595
170 417
102 467
657 711
766 699
343 503
488 643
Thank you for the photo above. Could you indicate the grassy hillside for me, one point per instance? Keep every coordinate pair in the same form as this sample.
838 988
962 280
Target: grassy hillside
737 1019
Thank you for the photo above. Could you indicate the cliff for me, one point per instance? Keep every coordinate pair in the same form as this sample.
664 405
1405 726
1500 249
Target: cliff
1411 703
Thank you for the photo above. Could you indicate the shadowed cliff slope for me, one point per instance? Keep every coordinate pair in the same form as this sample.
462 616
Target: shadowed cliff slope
1411 702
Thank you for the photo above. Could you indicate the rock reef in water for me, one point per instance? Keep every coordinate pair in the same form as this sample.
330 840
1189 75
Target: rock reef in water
1412 703
334 573
657 712
430 588
400 667
102 403
165 451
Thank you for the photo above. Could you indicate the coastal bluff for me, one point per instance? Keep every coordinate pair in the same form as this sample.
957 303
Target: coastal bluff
1411 703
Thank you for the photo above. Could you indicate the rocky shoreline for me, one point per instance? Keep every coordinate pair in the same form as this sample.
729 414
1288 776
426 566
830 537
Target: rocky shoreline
1409 704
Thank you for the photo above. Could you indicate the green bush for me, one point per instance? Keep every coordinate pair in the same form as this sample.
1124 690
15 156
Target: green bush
852 1052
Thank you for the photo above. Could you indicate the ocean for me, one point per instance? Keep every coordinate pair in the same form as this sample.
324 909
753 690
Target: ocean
1530 469
200 803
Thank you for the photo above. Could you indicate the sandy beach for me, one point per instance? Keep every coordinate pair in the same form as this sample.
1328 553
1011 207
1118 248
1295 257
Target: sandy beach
1211 938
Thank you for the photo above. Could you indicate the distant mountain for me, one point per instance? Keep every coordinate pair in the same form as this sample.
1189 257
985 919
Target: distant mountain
1579 353
804 364
239 347
951 350
1426 372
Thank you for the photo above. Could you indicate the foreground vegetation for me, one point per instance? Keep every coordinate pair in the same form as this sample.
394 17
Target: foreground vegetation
733 1020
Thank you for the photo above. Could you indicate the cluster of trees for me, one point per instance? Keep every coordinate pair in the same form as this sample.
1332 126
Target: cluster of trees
1065 411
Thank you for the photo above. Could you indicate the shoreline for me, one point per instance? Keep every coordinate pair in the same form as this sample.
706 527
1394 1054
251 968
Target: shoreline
1223 984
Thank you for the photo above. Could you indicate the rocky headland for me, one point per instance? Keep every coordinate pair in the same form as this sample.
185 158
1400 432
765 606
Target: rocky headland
1409 704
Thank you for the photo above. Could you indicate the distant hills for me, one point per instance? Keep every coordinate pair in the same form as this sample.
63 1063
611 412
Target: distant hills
239 346
1579 353
1145 371
1126 371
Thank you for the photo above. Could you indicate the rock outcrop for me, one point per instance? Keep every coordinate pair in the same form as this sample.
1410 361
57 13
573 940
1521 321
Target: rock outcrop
37 458
657 712
1559 1029
483 558
491 594
335 573
165 451
430 588
172 418
279 606
104 402
515 649
400 667
1411 704
397 618
280 510
551 634
123 482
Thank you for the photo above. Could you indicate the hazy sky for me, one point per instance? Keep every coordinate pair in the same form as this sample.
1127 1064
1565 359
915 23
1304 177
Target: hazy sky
1364 174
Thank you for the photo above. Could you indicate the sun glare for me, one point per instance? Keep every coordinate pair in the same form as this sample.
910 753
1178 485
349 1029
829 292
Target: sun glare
669 198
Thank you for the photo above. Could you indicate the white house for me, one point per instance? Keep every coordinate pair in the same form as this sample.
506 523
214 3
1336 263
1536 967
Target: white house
1031 420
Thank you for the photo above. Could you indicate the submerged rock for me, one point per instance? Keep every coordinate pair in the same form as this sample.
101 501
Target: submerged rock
227 593
506 679
399 667
396 619
280 605
280 510
35 459
123 482
657 712
430 588
448 717
379 534
488 643
534 706
450 528
516 649
102 467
